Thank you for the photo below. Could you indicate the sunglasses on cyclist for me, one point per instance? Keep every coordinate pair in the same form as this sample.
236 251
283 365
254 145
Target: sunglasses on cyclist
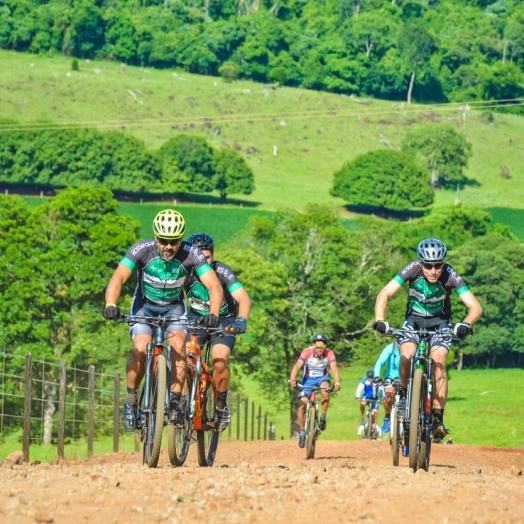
166 241
436 265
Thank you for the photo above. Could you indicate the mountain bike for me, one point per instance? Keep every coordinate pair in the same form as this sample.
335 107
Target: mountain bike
397 426
370 430
153 407
199 396
312 427
414 432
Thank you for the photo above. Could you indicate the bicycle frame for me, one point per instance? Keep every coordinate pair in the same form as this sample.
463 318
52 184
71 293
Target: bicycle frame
201 374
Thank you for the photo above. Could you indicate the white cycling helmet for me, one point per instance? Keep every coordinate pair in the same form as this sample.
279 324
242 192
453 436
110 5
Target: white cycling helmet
432 250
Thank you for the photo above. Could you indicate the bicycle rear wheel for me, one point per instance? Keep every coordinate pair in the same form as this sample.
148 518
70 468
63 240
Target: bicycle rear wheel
369 428
154 418
207 438
395 444
416 419
179 437
310 435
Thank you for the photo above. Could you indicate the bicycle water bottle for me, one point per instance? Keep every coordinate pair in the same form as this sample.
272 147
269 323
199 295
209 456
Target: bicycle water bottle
421 353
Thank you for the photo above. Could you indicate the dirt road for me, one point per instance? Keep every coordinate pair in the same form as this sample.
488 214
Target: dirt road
262 482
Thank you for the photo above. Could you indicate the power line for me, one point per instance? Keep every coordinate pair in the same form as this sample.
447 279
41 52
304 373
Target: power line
398 108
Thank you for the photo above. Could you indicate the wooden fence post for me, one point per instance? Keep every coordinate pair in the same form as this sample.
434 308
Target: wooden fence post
265 426
61 409
238 416
116 411
252 420
91 418
259 421
27 405
246 414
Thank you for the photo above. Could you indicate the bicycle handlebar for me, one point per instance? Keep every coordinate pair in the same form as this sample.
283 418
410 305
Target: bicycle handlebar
397 332
164 321
313 388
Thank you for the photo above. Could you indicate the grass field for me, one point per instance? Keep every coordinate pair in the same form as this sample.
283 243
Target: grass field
314 133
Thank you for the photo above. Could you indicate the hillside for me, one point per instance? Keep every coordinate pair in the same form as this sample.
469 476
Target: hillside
294 139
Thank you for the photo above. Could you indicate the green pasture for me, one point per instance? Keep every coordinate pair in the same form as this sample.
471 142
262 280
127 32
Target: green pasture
483 409
294 139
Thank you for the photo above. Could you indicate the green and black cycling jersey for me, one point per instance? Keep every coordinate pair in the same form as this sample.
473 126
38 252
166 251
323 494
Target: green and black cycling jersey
198 294
158 281
426 299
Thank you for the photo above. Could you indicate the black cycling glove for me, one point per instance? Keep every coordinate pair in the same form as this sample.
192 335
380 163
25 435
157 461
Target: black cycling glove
238 327
112 312
461 329
381 326
210 320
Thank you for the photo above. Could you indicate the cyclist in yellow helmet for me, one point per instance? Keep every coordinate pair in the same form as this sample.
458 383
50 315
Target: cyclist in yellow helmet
162 264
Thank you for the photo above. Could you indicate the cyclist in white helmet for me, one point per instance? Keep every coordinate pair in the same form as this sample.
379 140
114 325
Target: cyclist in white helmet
162 264
431 281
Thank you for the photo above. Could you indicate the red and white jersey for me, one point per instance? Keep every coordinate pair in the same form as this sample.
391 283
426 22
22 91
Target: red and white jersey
316 367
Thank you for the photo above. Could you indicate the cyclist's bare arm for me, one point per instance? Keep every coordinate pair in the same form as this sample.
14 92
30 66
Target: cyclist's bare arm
216 295
244 302
334 370
475 309
385 294
296 368
121 275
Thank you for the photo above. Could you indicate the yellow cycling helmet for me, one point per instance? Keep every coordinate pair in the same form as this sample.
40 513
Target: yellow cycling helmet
169 224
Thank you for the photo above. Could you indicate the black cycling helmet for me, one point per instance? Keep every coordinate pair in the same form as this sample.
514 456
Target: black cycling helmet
202 241
370 373
319 336
431 250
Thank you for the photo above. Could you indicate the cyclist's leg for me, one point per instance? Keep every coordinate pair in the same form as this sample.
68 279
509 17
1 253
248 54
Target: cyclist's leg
363 404
388 400
135 367
301 412
325 396
439 354
220 353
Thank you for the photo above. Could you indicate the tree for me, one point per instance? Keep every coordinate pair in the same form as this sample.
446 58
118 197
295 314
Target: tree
232 174
194 158
383 179
57 259
493 266
311 275
416 46
443 150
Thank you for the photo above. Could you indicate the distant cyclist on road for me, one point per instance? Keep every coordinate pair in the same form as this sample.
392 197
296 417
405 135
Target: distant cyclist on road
316 360
234 313
368 389
431 281
389 357
162 264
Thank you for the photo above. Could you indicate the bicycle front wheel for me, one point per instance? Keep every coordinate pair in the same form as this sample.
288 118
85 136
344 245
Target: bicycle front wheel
395 444
369 429
207 437
416 419
179 437
311 434
154 418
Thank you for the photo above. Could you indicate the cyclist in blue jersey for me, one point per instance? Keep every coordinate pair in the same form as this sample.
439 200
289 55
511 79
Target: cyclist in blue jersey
162 264
369 389
234 313
389 357
430 281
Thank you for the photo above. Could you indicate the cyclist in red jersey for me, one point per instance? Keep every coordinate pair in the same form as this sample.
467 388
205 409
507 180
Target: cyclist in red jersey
316 360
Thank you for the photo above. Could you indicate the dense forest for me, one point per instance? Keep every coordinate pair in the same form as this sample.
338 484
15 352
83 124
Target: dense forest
420 50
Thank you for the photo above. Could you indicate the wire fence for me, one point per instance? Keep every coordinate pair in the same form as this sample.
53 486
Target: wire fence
48 402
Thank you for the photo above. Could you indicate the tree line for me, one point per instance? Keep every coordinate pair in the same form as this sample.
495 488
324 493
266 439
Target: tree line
423 50
120 162
304 271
